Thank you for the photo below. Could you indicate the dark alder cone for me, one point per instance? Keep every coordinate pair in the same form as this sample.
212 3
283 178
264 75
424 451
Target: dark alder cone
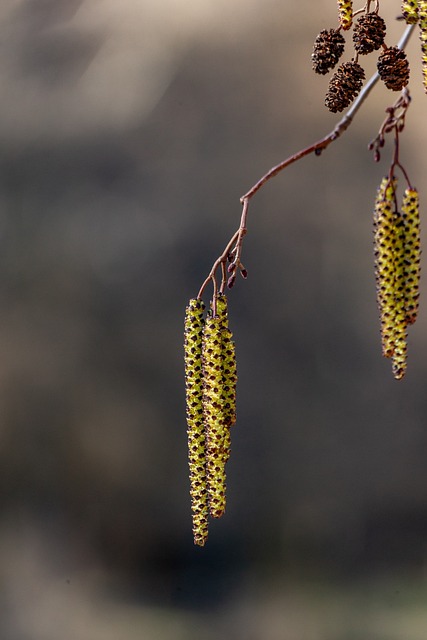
393 68
328 49
344 86
369 33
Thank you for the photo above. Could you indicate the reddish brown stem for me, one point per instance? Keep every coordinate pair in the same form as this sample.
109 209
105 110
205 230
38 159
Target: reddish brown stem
234 246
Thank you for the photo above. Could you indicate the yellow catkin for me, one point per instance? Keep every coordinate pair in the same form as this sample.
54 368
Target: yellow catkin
217 432
193 335
390 276
229 368
400 324
384 262
410 11
345 11
422 16
411 217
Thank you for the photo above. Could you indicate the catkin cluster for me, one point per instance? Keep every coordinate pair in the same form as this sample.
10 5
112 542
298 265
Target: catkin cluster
210 377
369 33
397 268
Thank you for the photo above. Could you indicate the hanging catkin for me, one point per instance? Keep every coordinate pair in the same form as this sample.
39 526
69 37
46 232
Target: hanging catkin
411 218
422 15
345 12
194 324
389 272
410 11
217 433
400 324
229 368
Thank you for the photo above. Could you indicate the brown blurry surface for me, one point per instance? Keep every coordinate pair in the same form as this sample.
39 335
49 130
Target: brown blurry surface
129 131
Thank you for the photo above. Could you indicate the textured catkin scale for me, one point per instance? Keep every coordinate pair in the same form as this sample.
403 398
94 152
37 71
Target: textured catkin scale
345 12
410 11
384 241
217 433
422 15
411 218
193 335
400 324
229 376
229 367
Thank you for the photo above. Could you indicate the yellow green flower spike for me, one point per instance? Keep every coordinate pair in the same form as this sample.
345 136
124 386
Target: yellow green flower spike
194 324
345 11
229 368
422 16
384 262
411 217
217 432
400 324
410 11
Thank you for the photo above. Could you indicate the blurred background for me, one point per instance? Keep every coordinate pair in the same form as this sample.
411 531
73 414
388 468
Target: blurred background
129 130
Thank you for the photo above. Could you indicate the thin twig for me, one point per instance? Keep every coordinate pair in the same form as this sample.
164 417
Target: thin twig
235 244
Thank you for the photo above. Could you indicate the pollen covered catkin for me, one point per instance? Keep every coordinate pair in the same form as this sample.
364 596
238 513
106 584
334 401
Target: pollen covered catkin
229 367
384 262
422 15
410 11
411 219
345 11
400 324
193 334
217 432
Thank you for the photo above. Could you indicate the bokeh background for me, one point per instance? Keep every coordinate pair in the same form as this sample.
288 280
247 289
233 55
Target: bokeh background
128 131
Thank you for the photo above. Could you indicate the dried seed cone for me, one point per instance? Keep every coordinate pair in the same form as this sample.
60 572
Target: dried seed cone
345 12
193 335
410 11
393 68
344 86
411 218
422 14
328 49
369 33
217 432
